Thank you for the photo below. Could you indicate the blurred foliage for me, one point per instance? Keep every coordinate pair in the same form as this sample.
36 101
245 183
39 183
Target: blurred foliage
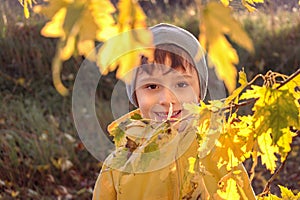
40 150
41 154
277 42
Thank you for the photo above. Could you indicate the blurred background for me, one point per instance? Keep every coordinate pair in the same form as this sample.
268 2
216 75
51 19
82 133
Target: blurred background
41 155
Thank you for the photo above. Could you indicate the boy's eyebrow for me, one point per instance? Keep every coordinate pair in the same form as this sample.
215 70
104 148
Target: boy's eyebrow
158 79
186 76
148 79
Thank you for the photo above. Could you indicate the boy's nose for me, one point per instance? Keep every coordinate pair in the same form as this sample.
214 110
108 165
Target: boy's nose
167 97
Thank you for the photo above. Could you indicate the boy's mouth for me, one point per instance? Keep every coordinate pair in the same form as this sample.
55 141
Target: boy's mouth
164 115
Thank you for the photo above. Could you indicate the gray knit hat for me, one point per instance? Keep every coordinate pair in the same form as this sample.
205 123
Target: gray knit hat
169 34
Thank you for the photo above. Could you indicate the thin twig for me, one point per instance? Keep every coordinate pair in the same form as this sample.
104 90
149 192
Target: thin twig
273 177
255 162
247 102
244 103
289 79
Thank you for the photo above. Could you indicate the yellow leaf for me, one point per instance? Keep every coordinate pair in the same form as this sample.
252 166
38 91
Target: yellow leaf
231 191
288 194
267 151
62 163
285 141
269 197
224 62
230 147
54 28
14 193
56 70
26 10
87 48
26 4
96 23
101 11
243 83
216 22
249 4
43 168
275 109
247 133
225 2
85 20
191 164
78 24
51 8
208 130
68 49
124 51
21 81
131 15
294 87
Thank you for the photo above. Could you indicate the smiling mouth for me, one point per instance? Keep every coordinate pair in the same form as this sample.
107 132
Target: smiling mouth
164 115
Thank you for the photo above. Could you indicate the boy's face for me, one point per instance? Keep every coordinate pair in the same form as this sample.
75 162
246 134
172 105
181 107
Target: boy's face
164 86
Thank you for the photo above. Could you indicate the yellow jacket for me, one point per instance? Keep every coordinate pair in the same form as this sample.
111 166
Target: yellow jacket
170 182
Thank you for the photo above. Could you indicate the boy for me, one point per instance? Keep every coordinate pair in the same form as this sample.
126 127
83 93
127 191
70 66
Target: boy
154 143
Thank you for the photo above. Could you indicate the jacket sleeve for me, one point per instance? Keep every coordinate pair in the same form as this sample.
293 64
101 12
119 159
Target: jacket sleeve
104 188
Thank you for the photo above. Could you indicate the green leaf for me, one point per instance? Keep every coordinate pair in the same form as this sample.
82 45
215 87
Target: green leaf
119 135
275 109
136 116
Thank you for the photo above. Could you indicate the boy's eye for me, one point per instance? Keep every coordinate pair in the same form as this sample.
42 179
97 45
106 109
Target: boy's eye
182 84
152 86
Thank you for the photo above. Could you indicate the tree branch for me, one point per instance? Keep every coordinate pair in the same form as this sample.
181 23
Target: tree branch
289 79
247 102
244 103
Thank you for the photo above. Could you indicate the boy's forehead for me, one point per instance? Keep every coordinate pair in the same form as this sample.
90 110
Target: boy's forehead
161 71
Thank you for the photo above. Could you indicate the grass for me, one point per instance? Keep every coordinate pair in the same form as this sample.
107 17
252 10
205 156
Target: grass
276 39
40 149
